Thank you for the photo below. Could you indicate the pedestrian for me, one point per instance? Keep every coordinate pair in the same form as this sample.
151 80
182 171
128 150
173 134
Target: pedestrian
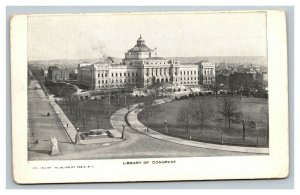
67 125
36 141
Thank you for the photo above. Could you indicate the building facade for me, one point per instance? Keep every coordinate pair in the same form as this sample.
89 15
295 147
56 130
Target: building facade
142 68
56 74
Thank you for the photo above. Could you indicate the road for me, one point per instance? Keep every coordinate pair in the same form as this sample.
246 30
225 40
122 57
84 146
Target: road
42 127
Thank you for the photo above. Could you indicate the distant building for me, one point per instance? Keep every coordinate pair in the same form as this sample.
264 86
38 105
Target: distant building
141 68
56 74
265 76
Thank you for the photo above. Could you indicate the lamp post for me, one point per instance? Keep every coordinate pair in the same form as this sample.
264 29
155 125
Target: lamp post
166 127
123 131
221 136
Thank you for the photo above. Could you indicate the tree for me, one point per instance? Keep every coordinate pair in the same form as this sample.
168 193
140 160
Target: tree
265 113
244 120
99 113
128 88
215 88
200 113
148 103
228 109
184 116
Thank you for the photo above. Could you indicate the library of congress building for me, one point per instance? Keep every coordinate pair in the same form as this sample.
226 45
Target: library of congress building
141 68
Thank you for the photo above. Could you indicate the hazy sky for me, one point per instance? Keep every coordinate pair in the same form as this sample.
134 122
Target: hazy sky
174 35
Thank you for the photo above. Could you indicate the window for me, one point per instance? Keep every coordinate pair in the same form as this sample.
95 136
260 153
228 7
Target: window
106 81
102 75
98 82
102 81
120 74
98 75
112 74
125 74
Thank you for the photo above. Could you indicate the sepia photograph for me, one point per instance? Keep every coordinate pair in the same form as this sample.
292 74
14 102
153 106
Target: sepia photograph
157 86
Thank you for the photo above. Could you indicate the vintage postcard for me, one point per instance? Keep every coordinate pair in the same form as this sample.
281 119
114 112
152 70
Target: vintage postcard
160 96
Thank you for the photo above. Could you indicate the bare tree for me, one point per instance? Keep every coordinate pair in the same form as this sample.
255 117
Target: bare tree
265 113
83 118
184 116
128 87
98 112
244 121
215 87
148 103
228 109
200 112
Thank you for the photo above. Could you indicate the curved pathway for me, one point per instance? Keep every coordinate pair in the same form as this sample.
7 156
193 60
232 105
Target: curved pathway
140 143
137 125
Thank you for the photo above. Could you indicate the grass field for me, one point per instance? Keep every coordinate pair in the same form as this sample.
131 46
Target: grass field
209 129
95 114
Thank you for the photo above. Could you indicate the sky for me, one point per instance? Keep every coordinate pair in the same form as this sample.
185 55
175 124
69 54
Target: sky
174 35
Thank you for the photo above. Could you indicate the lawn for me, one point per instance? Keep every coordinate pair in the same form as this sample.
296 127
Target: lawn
208 128
94 114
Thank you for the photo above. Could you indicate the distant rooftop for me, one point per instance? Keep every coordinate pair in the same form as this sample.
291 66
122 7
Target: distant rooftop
53 68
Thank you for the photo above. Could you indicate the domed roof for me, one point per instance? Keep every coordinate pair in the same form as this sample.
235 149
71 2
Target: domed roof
140 46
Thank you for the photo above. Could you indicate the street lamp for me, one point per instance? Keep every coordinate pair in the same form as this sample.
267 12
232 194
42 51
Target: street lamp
166 127
123 131
221 136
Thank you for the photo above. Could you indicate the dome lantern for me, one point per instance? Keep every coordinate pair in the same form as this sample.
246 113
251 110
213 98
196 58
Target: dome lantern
140 41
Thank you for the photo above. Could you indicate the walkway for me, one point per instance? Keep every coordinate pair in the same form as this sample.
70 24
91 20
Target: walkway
42 127
137 125
65 122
